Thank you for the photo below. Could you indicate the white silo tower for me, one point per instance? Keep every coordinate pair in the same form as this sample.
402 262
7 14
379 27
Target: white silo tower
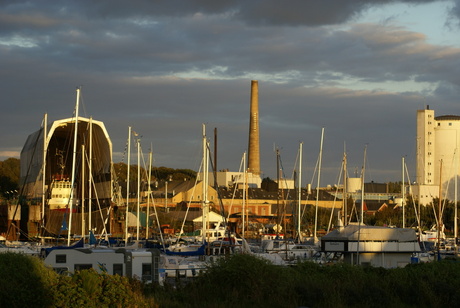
447 134
438 140
354 185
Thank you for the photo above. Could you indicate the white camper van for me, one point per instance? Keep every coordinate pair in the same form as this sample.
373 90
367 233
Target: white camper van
139 264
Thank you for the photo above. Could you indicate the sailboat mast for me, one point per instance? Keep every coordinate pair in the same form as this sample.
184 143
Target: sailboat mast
83 191
299 198
45 150
278 178
73 165
127 185
438 244
345 190
138 186
403 196
244 196
455 203
149 179
205 184
318 183
90 175
361 219
362 185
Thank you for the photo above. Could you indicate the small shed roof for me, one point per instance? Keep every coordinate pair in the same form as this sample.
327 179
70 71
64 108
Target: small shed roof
212 217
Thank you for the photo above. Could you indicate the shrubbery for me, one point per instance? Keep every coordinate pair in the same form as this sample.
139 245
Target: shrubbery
26 282
237 281
246 281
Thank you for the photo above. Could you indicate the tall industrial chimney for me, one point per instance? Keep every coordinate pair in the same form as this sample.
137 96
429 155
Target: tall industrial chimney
253 149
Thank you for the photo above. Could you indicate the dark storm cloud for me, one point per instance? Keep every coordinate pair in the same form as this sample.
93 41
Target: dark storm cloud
166 67
307 13
262 12
165 46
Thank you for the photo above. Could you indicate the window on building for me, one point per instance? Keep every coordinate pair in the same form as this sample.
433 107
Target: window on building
60 270
118 269
146 271
61 258
80 267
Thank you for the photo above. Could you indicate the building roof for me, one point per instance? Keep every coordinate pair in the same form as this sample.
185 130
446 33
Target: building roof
176 185
373 205
353 232
282 194
195 215
449 117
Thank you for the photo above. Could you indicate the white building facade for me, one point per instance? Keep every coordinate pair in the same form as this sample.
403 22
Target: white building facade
438 140
229 179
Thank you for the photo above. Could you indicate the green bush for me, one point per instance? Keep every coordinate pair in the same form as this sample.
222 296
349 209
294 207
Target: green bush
87 288
26 282
247 281
236 281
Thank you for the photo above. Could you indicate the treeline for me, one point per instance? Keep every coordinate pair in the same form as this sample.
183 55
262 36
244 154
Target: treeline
9 176
239 280
157 173
10 173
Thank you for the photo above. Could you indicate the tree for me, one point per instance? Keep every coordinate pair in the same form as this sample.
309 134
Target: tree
166 174
269 185
394 187
387 216
9 175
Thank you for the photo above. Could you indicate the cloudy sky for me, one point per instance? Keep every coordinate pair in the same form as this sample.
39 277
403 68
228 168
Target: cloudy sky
360 69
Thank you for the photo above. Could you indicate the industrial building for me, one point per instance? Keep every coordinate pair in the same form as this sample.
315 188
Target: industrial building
437 155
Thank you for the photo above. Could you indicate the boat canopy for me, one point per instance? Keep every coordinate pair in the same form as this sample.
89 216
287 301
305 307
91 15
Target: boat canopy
58 149
353 232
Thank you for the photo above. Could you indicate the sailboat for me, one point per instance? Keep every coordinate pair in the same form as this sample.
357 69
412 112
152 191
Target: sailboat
291 250
198 248
212 239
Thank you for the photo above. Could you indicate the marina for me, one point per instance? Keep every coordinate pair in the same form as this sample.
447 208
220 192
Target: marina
229 153
71 190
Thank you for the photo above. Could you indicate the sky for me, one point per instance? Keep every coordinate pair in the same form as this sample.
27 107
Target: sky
357 69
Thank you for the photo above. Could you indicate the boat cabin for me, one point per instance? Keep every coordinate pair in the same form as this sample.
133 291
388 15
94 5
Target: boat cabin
372 246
